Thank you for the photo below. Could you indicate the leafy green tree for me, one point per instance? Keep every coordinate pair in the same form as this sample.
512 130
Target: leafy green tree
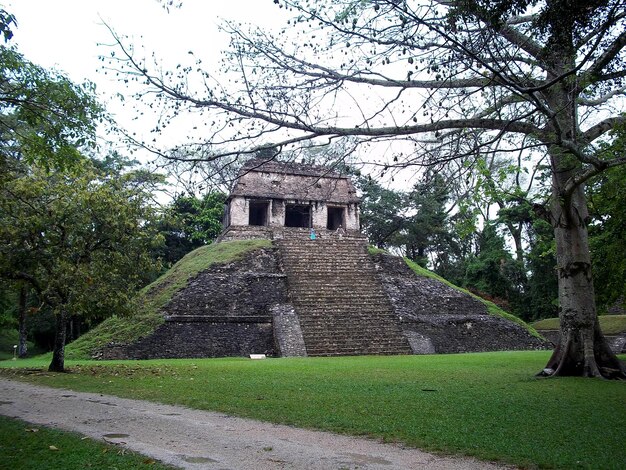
413 222
7 304
493 270
190 222
46 120
541 297
607 234
7 21
44 117
427 229
382 212
81 240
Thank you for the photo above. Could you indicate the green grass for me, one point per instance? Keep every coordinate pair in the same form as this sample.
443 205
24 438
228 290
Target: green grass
488 405
10 337
492 308
156 295
25 446
372 250
610 324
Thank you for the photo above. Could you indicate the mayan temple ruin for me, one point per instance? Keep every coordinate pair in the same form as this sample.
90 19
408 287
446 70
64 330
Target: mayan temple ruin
314 289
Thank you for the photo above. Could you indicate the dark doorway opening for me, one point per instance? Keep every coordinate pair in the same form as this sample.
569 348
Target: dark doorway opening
335 218
297 216
258 213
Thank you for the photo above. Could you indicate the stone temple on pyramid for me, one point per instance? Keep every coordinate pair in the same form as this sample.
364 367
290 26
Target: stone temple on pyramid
315 289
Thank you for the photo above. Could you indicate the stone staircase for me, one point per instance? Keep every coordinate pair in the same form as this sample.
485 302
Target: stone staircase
342 307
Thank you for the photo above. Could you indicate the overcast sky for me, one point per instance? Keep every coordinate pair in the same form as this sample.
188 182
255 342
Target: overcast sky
70 34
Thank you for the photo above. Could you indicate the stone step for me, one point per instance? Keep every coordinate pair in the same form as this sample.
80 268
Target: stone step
340 341
320 319
354 297
340 338
355 352
342 308
339 310
335 285
347 341
320 349
342 274
312 297
321 314
331 330
346 347
343 277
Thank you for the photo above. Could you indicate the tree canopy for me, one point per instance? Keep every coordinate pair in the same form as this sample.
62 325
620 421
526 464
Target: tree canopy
76 232
81 240
189 222
44 117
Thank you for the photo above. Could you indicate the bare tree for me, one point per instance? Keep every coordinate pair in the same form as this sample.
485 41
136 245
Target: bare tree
423 77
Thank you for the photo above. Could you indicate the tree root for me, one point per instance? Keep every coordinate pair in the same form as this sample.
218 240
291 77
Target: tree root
584 355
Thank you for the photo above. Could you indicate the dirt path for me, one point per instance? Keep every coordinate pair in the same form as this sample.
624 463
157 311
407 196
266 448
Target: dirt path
204 440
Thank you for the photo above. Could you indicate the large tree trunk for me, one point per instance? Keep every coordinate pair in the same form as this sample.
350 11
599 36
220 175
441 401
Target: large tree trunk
58 353
582 349
22 347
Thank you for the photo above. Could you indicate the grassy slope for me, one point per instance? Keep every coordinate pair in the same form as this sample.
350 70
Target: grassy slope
610 324
156 295
489 404
492 308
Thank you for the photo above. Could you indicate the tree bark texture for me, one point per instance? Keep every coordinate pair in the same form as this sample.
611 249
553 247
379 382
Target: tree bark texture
582 349
58 353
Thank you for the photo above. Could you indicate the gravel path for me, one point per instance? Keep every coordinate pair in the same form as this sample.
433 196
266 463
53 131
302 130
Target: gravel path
205 440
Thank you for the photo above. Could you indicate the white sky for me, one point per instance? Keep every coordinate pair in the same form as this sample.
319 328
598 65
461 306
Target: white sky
69 35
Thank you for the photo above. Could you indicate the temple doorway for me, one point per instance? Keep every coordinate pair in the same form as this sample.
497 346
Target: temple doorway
297 215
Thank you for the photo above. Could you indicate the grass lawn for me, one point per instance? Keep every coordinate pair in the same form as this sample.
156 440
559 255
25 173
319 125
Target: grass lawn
488 405
24 446
609 324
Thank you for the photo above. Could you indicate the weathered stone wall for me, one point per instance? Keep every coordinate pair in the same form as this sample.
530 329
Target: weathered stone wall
283 183
618 308
617 343
199 339
352 217
223 311
295 185
240 289
277 213
287 332
238 211
440 319
319 214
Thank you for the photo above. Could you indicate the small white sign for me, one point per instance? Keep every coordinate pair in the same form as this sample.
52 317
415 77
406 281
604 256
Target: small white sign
257 356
